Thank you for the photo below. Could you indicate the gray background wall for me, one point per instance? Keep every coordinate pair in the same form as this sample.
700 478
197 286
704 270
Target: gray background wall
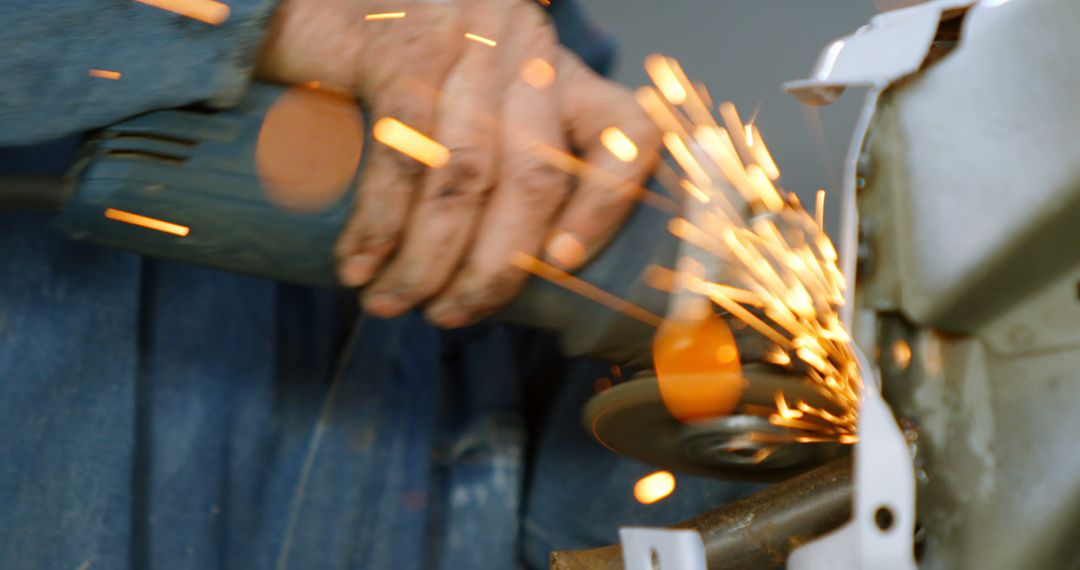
743 50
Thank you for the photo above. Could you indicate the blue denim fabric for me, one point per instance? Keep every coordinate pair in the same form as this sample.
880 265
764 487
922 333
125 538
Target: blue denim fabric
155 415
165 60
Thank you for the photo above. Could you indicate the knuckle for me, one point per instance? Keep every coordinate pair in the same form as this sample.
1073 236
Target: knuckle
374 231
540 182
490 291
464 182
467 170
404 164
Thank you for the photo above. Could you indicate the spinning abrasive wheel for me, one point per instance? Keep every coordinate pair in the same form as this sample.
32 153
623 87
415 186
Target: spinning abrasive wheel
631 419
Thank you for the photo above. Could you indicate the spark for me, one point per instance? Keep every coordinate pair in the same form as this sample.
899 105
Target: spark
481 39
385 16
538 73
654 487
761 154
660 278
146 222
104 74
660 71
781 274
566 250
686 160
619 144
819 209
778 356
602 384
901 353
583 288
207 11
410 142
782 408
694 191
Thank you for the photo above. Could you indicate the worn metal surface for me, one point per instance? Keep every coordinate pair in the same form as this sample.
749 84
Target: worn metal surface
756 532
972 187
983 146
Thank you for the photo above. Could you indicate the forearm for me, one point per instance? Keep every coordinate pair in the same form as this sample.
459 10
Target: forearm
163 60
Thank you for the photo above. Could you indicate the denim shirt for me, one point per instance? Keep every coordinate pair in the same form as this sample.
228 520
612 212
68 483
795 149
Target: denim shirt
156 415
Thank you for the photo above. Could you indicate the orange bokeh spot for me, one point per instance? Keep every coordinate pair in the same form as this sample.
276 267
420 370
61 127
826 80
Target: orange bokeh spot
654 487
309 148
697 366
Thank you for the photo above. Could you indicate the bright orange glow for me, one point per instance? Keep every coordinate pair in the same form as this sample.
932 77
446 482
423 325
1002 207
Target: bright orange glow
481 39
308 149
410 142
782 408
104 74
726 354
759 181
780 278
697 367
777 356
208 11
730 115
385 16
659 278
583 288
901 353
566 250
654 487
312 84
619 144
819 209
602 384
694 191
686 160
143 221
761 153
659 69
538 73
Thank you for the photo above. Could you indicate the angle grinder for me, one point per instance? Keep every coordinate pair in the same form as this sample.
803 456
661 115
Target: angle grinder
186 184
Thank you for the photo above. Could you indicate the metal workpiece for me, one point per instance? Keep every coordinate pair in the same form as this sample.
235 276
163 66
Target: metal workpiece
975 168
758 531
973 298
999 476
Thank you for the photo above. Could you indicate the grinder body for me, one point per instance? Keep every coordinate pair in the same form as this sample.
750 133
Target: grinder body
197 171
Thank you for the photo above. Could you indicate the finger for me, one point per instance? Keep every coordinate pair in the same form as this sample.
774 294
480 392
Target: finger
530 189
406 61
443 221
619 144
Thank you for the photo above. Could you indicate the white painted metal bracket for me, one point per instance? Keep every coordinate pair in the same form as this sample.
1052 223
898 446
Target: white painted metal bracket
661 549
880 534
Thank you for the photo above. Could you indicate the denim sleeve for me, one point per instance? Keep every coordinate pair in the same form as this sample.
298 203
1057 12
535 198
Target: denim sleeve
164 60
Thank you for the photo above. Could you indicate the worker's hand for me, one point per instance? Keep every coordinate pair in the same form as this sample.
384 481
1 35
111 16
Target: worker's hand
487 80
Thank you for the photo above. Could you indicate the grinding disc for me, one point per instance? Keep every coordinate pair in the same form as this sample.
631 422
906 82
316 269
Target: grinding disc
630 419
